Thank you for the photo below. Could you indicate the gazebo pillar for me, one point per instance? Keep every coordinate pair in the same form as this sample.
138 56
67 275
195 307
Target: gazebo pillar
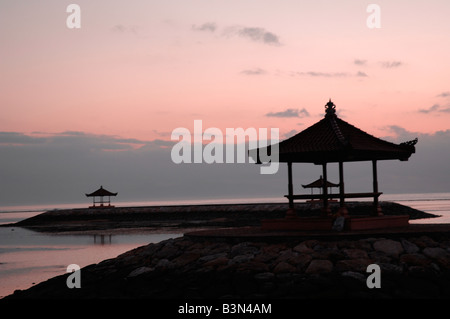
291 211
326 208
342 208
376 206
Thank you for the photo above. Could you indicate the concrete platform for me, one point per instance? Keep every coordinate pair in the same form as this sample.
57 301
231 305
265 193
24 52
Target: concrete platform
257 233
327 223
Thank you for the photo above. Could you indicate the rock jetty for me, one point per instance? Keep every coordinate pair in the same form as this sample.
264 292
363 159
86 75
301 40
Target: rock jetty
189 216
411 266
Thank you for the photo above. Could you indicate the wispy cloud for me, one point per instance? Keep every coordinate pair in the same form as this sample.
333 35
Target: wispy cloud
165 134
361 74
255 71
256 34
120 28
444 94
79 141
289 113
322 74
391 64
360 62
435 108
317 74
208 26
15 138
289 134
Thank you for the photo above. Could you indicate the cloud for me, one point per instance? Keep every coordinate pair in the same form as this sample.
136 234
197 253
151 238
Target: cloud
289 134
432 108
68 165
208 26
400 133
71 163
255 34
255 71
80 141
120 28
360 62
426 170
166 134
445 110
321 74
361 74
391 64
318 74
435 108
444 94
16 139
289 113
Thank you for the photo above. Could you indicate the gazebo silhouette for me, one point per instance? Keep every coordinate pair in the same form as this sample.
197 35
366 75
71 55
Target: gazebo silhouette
319 183
332 140
101 193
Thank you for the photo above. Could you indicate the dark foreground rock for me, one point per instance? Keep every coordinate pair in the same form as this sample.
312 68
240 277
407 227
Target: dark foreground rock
195 267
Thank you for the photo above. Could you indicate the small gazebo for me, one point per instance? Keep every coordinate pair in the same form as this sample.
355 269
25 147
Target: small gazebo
319 183
332 140
101 193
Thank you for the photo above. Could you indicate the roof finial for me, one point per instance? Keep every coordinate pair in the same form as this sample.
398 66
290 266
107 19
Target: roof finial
330 108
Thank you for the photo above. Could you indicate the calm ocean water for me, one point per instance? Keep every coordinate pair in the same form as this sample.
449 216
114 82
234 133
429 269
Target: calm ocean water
28 257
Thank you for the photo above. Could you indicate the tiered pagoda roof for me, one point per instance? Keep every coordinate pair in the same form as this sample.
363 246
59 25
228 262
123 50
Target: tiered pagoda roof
334 140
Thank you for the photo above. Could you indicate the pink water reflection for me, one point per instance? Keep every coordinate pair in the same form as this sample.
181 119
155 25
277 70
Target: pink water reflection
27 258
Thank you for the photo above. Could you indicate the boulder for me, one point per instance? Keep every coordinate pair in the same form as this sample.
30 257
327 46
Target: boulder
139 271
300 261
435 252
409 247
388 246
283 267
415 260
185 259
303 248
319 266
353 253
358 265
239 259
219 261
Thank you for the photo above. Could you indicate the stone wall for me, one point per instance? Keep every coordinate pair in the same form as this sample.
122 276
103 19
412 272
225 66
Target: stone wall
186 267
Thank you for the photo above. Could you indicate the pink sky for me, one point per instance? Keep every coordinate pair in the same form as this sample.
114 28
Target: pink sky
141 69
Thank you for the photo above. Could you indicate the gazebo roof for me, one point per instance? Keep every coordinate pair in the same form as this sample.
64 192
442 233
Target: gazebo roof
101 192
319 184
334 140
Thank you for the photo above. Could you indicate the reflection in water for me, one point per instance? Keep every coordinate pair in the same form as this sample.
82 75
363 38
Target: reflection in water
100 239
28 257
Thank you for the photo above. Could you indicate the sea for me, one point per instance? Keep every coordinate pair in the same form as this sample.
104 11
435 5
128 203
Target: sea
28 257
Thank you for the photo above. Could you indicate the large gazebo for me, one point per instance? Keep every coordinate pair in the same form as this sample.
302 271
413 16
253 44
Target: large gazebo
332 140
101 193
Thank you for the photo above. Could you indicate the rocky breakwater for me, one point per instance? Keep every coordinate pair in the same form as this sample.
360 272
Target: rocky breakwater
189 267
169 218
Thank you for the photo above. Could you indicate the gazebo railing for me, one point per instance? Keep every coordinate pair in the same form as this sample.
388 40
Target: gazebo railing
347 195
